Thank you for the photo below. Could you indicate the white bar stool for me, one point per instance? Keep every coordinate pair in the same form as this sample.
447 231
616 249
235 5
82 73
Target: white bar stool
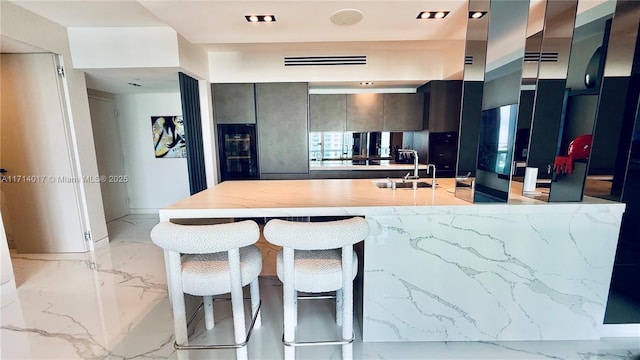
218 259
324 261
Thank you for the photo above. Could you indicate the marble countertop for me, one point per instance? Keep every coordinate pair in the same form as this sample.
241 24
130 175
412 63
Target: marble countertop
348 165
265 198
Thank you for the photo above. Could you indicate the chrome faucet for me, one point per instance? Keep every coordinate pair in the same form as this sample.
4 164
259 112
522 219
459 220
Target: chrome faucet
433 176
415 175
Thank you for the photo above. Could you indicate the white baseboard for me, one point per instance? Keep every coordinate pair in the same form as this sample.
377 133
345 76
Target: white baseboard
620 330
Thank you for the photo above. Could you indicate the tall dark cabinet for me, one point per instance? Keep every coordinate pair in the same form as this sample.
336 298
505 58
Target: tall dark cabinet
442 120
443 152
283 136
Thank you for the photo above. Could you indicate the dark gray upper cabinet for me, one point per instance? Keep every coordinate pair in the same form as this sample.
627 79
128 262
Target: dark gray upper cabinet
328 112
444 105
282 129
234 103
364 112
403 112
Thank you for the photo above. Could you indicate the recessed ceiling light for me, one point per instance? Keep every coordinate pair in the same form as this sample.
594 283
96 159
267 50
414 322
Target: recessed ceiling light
432 15
366 83
134 84
260 18
476 14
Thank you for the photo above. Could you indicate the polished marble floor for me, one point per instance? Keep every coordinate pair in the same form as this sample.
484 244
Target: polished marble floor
112 304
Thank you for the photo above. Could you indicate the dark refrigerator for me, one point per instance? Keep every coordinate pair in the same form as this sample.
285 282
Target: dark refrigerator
237 151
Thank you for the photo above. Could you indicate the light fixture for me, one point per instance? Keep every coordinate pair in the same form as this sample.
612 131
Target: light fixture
366 83
432 15
476 14
134 84
260 18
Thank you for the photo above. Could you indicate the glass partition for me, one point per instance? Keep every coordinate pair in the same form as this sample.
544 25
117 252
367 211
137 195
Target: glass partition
500 99
616 107
471 107
552 60
589 45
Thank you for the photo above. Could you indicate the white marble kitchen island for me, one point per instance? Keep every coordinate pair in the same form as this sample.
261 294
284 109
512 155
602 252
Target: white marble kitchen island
437 268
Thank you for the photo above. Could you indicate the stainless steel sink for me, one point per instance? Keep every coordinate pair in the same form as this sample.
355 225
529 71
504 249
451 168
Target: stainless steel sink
402 185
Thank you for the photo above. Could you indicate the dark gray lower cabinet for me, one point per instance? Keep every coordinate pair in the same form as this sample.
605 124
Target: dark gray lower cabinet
282 130
443 152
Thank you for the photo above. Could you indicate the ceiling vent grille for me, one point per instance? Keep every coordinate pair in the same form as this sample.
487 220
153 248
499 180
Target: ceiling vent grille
541 56
325 60
468 60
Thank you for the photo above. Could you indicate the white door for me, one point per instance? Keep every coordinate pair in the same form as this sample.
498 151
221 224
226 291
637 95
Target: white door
106 136
40 189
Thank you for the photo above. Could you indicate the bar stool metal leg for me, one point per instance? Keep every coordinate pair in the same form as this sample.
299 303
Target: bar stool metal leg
255 302
339 307
295 309
208 312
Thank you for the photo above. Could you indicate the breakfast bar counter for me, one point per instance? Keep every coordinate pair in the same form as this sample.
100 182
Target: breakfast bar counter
437 268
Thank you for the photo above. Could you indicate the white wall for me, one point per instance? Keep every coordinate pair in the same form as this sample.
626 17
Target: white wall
153 183
194 60
136 47
390 61
128 47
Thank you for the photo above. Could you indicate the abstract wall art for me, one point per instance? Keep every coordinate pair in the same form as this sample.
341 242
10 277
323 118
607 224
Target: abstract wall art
168 137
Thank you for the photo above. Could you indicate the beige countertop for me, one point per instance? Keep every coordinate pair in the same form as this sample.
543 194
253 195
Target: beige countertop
273 198
315 193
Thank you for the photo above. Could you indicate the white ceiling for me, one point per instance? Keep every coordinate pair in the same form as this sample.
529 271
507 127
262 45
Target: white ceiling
309 21
219 25
214 21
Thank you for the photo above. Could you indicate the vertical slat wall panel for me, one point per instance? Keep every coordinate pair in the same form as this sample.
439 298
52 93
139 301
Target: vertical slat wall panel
190 96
